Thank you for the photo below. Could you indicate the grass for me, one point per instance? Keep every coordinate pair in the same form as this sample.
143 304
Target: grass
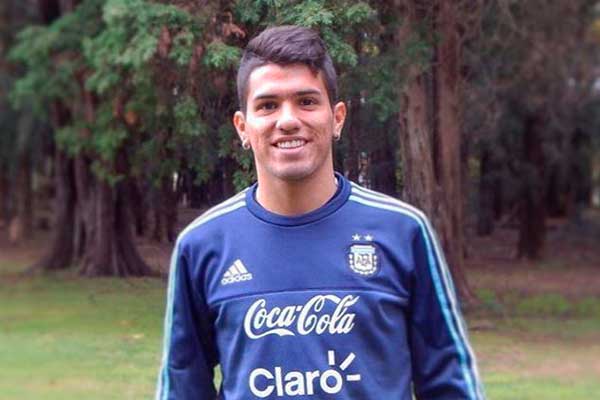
74 338
538 345
64 337
540 358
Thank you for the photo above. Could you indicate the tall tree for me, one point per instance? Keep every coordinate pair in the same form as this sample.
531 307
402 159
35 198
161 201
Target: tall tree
431 132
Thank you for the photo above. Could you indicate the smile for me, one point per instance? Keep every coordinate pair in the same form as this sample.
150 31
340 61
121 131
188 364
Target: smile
291 144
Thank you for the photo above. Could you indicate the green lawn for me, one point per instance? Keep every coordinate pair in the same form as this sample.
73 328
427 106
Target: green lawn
64 337
75 339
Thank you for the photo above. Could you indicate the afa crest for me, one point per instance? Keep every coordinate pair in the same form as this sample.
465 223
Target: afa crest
363 259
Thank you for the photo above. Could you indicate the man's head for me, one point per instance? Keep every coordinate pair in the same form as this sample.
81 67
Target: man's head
288 118
286 45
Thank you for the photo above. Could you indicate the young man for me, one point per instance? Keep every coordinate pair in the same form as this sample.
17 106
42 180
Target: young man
305 284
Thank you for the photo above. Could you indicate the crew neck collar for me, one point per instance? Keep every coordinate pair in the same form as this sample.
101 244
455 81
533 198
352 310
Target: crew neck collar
339 198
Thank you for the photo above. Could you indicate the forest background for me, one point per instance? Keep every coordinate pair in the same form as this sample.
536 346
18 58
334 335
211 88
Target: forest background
115 131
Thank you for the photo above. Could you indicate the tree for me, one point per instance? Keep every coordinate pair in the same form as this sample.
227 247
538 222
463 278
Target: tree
432 35
532 76
141 91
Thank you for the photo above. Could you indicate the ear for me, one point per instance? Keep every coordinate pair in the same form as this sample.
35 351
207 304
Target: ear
239 121
339 116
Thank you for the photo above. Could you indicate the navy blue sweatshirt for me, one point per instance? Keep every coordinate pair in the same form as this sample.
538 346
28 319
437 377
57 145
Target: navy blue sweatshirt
351 301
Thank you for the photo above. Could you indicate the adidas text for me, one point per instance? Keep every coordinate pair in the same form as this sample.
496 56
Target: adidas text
237 272
236 278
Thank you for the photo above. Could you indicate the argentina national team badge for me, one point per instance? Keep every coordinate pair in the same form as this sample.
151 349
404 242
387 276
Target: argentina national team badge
362 258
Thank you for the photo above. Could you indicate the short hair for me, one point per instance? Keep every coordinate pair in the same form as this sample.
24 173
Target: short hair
285 45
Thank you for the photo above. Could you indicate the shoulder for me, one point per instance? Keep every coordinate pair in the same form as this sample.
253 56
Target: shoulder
385 206
217 217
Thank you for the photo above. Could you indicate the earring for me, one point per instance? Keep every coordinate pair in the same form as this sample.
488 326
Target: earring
245 144
337 136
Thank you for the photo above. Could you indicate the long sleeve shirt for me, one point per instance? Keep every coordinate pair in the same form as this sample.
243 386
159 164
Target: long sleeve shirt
351 301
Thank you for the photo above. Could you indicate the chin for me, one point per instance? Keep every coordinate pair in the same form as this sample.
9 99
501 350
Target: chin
293 173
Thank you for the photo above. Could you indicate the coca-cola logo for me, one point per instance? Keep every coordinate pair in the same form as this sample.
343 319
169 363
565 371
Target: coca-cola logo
302 319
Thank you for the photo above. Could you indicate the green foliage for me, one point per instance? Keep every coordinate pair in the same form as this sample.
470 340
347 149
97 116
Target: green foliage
310 13
230 145
244 176
227 139
221 56
139 50
154 73
182 49
67 138
357 13
382 78
187 121
340 51
115 42
335 20
51 56
106 173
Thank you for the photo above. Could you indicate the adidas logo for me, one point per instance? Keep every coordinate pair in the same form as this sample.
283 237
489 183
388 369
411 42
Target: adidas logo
236 273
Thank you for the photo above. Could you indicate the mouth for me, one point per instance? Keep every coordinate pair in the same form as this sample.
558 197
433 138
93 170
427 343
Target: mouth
290 144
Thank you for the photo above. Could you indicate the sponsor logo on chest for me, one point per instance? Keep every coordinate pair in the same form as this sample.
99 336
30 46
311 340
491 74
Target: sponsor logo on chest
303 319
279 383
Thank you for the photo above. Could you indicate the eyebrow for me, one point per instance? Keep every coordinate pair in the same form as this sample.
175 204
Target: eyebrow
297 94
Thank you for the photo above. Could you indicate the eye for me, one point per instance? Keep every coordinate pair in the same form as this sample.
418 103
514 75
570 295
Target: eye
267 106
308 101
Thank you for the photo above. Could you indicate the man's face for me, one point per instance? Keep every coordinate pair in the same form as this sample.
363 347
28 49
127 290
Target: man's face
289 122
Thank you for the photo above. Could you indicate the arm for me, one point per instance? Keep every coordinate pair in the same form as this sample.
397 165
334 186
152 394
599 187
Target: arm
444 367
189 353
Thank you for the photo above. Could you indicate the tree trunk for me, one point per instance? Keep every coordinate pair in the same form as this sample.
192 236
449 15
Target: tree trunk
107 242
141 209
579 173
532 207
21 224
449 106
111 250
169 200
197 193
485 214
431 132
229 167
94 222
383 165
164 211
61 251
214 192
109 247
557 192
4 195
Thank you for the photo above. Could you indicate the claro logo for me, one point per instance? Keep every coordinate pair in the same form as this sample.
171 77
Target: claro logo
264 383
301 319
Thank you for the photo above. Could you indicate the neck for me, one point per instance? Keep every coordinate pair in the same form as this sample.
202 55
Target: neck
288 197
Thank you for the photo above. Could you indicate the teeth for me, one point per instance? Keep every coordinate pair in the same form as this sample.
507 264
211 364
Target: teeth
290 144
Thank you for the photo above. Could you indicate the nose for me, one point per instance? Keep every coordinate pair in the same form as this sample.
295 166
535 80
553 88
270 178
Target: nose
287 121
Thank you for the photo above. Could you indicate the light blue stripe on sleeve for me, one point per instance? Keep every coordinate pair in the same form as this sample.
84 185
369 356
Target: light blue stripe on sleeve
442 284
